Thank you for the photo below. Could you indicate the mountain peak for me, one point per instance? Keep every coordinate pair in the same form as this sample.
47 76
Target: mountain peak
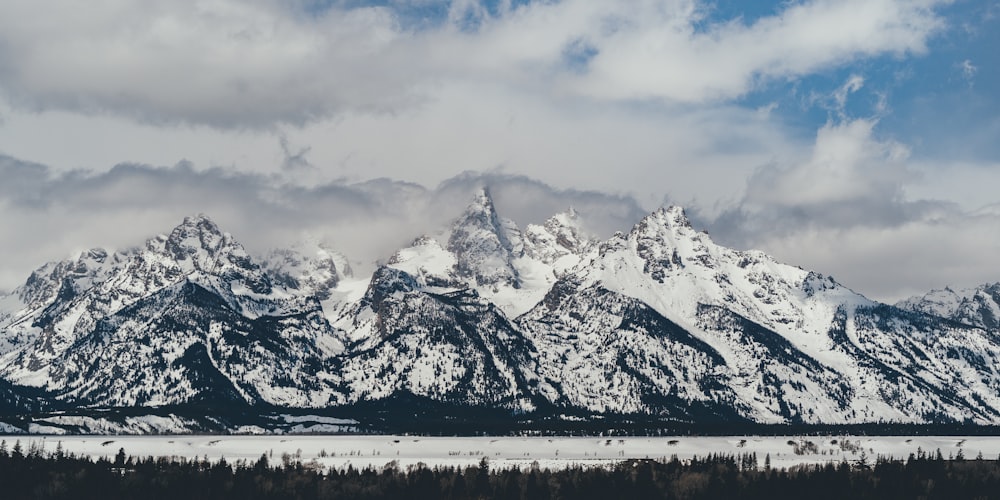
199 220
483 197
195 225
198 238
568 218
674 216
308 266
199 245
979 306
481 208
664 226
481 242
561 234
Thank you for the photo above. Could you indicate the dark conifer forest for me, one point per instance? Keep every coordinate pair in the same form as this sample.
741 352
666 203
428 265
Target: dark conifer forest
38 474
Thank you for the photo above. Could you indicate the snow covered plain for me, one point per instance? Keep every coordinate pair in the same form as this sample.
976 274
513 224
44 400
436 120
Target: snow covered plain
505 452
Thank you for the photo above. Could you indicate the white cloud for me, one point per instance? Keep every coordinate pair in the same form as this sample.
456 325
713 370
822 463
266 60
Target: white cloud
949 248
858 208
223 63
666 58
968 69
237 64
852 85
847 165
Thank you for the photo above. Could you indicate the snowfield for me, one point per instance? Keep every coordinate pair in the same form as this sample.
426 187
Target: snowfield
505 452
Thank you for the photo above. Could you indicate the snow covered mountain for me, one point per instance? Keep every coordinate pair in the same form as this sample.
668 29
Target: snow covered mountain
545 322
449 346
774 343
978 306
489 254
310 268
189 316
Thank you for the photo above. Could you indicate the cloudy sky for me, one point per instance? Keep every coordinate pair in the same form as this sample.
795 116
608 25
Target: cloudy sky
855 137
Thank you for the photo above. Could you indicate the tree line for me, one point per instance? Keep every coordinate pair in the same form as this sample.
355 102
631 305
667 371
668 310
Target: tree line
39 474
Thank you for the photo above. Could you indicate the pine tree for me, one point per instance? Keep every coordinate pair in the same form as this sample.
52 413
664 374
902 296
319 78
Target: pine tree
483 478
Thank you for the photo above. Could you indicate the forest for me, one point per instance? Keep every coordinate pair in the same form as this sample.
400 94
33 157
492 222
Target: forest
38 474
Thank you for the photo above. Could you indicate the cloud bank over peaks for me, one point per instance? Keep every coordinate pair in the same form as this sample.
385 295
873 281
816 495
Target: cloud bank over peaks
846 209
48 215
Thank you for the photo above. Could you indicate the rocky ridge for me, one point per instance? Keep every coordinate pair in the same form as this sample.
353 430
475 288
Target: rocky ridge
659 322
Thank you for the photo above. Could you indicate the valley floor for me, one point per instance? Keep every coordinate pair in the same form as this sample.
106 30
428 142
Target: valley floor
339 452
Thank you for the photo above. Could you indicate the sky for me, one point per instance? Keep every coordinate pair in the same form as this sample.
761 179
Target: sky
858 138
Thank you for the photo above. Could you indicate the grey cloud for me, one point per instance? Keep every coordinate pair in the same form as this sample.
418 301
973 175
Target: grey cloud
844 211
48 216
529 201
225 64
886 247
295 159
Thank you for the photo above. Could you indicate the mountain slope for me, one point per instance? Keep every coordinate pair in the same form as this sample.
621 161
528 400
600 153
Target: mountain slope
794 345
189 316
604 352
448 346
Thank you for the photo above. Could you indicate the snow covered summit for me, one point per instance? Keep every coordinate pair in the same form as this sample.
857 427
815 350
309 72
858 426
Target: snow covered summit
188 316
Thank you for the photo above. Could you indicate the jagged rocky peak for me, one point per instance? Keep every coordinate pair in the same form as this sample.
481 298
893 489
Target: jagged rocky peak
188 315
567 229
310 267
198 246
667 228
815 282
67 276
937 302
673 218
199 240
663 238
423 243
559 236
978 306
386 282
484 244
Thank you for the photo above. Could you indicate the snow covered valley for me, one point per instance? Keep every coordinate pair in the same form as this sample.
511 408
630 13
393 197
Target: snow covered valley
506 452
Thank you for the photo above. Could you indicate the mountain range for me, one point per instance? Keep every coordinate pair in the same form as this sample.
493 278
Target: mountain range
480 321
